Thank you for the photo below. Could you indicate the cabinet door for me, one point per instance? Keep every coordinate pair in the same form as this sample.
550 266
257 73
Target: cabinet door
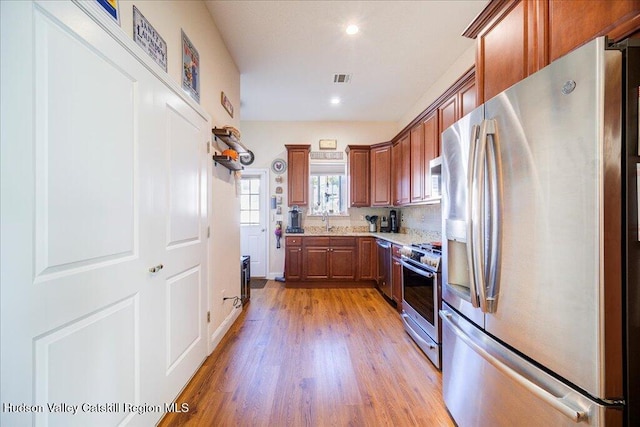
503 51
396 283
342 263
358 167
381 176
315 261
573 23
417 160
466 99
293 263
298 174
401 162
447 115
367 258
430 149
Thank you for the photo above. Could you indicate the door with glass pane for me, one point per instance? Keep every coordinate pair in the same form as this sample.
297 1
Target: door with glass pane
253 222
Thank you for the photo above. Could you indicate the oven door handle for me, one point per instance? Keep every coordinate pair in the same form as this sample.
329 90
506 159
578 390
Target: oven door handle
415 269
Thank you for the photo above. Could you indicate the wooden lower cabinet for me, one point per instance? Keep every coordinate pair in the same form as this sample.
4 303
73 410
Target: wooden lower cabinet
342 263
367 259
293 259
323 258
316 263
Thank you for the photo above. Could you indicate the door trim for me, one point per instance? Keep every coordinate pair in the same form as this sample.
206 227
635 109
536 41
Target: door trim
263 173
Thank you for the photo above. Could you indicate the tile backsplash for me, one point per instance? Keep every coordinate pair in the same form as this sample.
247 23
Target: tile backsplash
424 221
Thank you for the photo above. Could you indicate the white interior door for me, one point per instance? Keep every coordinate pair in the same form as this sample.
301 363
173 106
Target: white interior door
102 178
253 220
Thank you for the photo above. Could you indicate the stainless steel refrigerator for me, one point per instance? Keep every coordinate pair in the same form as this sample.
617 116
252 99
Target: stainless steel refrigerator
540 248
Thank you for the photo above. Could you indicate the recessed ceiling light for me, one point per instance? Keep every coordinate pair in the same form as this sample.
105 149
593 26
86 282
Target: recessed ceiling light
352 29
335 101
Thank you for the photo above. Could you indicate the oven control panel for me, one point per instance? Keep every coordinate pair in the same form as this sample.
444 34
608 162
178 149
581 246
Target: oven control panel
431 260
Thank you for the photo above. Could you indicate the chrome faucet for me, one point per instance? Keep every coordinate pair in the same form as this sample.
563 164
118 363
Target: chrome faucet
325 219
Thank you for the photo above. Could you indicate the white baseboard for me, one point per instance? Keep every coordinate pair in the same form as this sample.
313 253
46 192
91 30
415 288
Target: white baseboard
272 276
218 334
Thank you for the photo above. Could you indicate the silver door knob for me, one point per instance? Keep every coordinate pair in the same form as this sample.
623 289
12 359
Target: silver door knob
156 268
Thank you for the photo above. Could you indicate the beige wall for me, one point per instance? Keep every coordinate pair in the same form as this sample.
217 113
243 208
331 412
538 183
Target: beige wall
218 72
453 73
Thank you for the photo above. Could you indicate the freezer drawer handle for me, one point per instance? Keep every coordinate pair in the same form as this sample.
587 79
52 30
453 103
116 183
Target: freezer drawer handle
415 335
557 403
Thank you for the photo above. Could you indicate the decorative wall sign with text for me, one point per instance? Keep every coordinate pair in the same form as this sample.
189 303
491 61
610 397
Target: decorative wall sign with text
148 39
111 7
226 103
328 144
190 68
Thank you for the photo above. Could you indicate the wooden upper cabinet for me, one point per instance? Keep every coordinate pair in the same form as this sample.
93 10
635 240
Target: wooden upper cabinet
573 23
358 173
516 38
467 99
417 163
431 138
447 115
381 175
298 174
401 166
502 56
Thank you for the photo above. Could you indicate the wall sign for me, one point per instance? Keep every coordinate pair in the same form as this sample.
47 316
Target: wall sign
328 144
226 104
190 68
148 39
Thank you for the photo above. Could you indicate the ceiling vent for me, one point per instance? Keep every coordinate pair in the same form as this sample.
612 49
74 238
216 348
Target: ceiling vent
341 78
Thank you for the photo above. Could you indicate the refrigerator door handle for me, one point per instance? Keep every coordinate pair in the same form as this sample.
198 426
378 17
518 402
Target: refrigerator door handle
478 218
471 179
494 168
557 402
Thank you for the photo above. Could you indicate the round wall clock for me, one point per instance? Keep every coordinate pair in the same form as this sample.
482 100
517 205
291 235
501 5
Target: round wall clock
278 166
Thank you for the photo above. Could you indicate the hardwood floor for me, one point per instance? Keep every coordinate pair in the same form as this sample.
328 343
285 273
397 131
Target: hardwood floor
315 357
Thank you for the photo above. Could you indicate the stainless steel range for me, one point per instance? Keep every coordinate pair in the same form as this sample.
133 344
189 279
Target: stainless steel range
421 296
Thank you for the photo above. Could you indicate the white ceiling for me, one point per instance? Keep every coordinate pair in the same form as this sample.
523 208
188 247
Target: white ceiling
288 51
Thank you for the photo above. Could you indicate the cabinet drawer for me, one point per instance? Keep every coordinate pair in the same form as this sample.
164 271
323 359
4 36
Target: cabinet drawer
343 241
395 251
294 241
316 241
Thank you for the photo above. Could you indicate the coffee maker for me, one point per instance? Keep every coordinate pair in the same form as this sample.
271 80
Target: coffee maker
295 220
384 225
394 221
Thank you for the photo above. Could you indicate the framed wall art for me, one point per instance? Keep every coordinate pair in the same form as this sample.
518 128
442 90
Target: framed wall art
190 68
111 7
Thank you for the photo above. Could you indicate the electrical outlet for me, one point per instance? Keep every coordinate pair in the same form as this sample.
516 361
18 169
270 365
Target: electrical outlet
223 295
361 217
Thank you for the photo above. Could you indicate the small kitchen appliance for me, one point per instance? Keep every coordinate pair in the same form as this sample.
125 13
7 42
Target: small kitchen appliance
295 220
394 221
384 225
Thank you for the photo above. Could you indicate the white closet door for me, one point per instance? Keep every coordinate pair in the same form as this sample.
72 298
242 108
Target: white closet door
102 178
